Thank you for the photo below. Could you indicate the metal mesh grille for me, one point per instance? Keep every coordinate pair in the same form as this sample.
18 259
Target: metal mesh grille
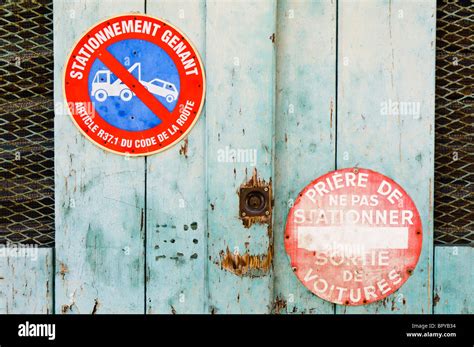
454 160
26 116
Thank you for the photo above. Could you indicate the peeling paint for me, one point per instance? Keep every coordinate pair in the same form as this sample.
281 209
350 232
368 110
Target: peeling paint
436 299
278 305
63 270
247 265
184 148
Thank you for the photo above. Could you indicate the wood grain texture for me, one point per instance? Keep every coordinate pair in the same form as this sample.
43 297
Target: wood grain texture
387 55
26 282
454 280
176 196
305 128
240 65
99 195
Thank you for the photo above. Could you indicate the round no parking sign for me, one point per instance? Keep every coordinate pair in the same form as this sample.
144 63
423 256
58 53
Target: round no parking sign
134 85
353 236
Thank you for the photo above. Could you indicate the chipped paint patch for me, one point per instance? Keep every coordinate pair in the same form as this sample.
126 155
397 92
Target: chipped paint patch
436 300
279 305
184 148
63 270
247 265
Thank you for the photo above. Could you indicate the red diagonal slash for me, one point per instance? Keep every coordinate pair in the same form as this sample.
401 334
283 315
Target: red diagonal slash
135 86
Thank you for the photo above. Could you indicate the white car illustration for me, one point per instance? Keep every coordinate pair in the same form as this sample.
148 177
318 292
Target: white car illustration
102 87
162 88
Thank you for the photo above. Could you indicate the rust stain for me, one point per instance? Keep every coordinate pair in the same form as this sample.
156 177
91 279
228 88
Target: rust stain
63 270
247 265
331 110
278 305
436 299
256 182
184 148
173 311
65 308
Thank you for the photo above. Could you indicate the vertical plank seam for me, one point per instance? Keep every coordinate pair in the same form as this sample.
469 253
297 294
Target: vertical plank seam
273 149
53 253
434 280
336 97
145 226
431 188
145 231
53 279
206 176
277 64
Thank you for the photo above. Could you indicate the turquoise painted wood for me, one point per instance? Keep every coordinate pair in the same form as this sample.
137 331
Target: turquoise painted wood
99 195
454 280
26 282
387 55
305 127
240 65
273 118
176 247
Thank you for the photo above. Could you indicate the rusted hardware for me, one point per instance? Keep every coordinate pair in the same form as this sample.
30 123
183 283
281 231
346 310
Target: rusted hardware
254 202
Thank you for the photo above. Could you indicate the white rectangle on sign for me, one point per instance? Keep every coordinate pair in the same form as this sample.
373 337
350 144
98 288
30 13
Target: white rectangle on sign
324 238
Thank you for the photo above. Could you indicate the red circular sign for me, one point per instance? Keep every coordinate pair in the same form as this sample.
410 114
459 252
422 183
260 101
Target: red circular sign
134 85
353 236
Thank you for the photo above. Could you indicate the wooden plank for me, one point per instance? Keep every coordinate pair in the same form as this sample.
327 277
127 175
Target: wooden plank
26 281
176 196
305 127
453 280
387 55
240 56
99 195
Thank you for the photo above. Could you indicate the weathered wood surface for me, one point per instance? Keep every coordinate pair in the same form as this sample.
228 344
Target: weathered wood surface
176 242
100 196
112 212
240 65
305 127
454 280
387 55
26 281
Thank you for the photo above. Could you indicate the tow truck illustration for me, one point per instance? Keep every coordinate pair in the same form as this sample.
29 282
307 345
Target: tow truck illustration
102 87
